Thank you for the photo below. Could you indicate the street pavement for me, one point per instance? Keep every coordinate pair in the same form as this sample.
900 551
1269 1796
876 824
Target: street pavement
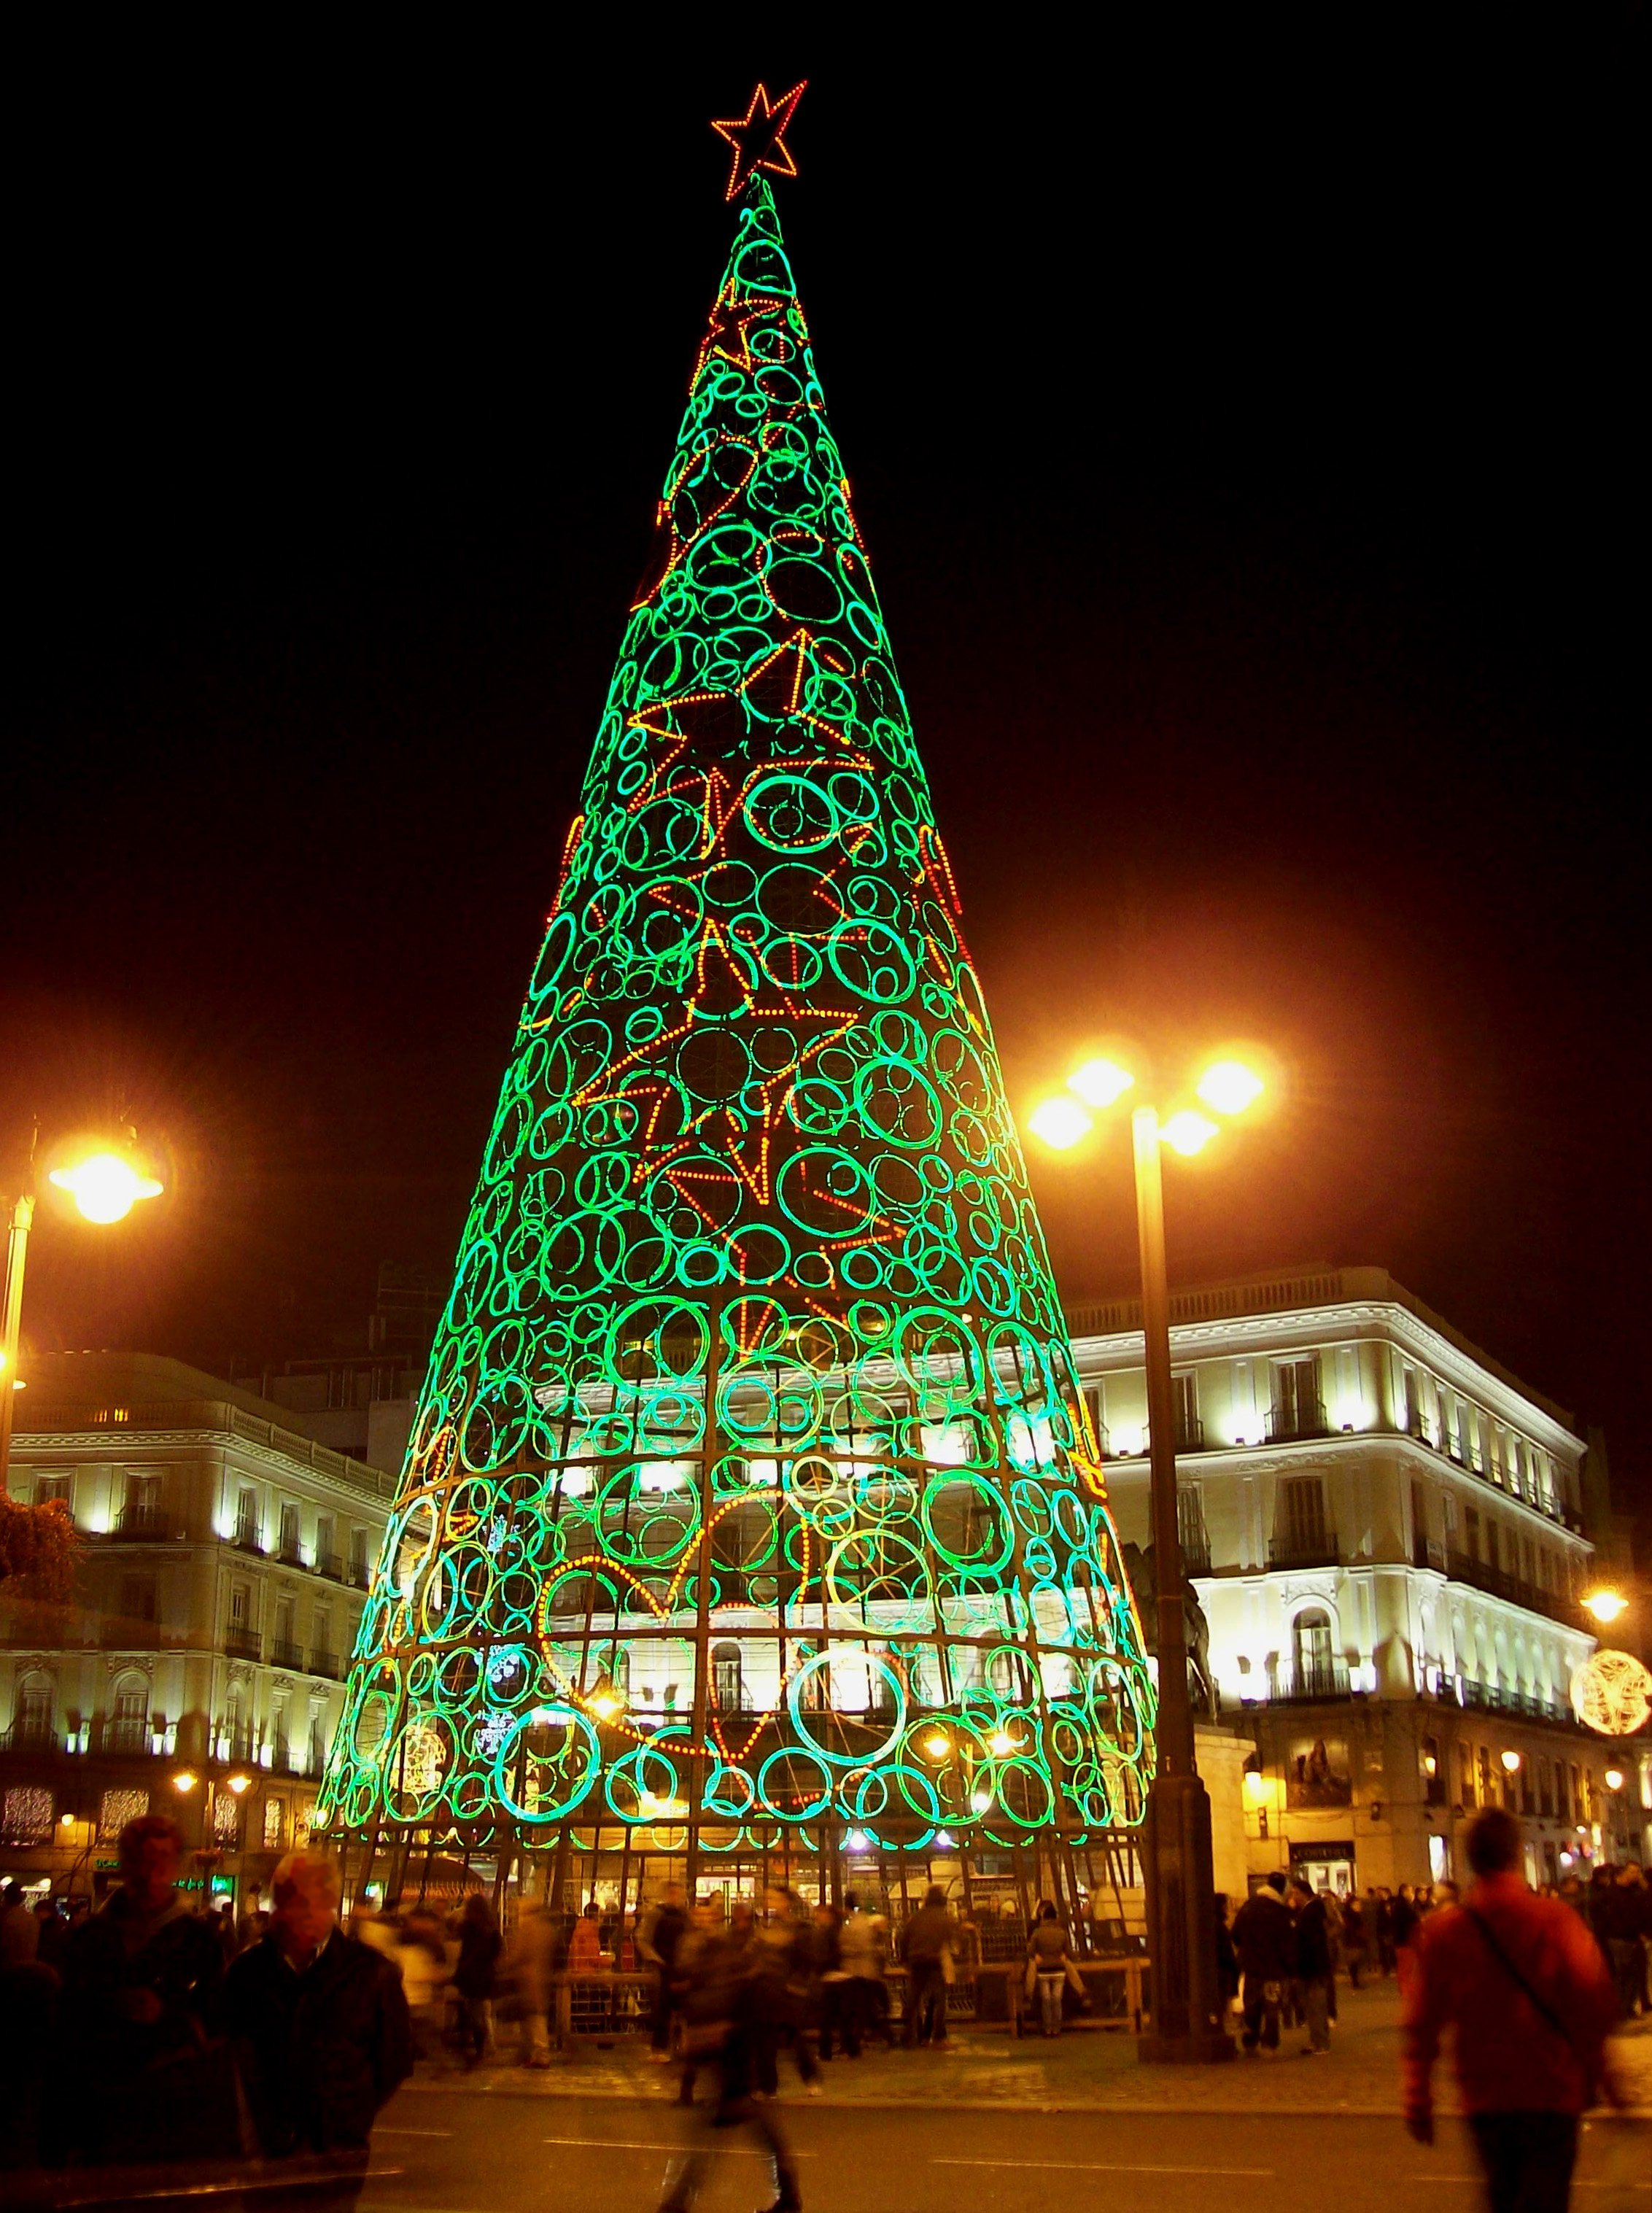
472 2152
992 2123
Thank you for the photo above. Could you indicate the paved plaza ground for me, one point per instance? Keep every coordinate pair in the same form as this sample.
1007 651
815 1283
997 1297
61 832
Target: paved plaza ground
1087 2070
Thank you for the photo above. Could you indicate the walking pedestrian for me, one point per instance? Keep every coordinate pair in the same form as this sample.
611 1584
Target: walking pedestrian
839 2022
20 1932
718 1992
1265 1943
1619 1917
782 1969
1523 1983
926 1941
474 1974
1314 1965
321 2025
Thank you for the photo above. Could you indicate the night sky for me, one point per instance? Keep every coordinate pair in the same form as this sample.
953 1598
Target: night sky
1242 437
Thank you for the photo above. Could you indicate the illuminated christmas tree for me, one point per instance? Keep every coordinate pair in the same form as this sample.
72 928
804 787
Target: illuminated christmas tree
752 1503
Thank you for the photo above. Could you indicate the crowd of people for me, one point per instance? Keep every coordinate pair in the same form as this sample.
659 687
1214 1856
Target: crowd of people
1280 1956
149 2032
276 2035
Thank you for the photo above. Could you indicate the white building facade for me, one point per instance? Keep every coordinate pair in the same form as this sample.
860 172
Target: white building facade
224 1565
1385 1533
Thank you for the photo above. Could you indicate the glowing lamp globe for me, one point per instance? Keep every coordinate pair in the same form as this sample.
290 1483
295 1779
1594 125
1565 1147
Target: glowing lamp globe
1060 1123
1100 1082
1188 1132
1229 1087
105 1187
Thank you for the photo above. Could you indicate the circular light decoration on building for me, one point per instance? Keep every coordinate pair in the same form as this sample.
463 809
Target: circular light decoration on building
1611 1692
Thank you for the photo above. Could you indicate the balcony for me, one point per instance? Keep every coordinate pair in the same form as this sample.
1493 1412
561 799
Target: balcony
236 1745
125 1733
1425 1553
1492 1699
1496 1582
1189 1434
142 1524
32 1735
1286 1424
248 1538
291 1553
1195 1554
1304 1548
361 1575
329 1564
1305 1681
284 1653
325 1663
241 1643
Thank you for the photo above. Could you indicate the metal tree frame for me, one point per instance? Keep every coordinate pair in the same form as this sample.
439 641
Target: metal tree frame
752 1511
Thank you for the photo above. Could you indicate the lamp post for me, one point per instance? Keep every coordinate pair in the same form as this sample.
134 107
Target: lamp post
1186 2010
105 1186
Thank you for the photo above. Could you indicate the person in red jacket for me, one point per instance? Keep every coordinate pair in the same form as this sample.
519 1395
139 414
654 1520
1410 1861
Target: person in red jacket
1523 1982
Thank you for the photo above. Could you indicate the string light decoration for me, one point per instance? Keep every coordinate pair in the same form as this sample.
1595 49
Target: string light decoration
751 1501
1611 1692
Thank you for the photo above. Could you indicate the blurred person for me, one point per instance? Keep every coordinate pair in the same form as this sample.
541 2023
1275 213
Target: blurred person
863 1946
474 1974
1227 1958
928 1940
839 2022
1523 1983
531 1964
20 1932
720 1993
321 2025
142 1982
785 1993
1356 1938
1312 1933
1265 1939
659 1941
51 1944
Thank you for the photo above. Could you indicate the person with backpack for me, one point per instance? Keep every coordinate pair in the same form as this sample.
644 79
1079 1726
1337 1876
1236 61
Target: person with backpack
1523 1983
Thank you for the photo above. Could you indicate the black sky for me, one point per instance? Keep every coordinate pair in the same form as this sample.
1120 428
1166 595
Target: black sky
1241 428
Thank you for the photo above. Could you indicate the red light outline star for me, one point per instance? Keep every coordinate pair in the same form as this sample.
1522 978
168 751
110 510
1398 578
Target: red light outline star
768 148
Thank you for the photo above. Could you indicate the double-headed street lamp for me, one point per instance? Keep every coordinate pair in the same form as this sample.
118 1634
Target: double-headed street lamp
1180 1879
104 1185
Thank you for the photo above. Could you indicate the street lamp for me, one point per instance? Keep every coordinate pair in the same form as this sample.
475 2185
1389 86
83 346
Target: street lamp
1180 1874
104 1185
1606 1604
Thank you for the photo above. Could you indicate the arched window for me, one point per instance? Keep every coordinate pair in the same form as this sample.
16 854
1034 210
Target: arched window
1311 1641
128 1723
32 1714
725 1678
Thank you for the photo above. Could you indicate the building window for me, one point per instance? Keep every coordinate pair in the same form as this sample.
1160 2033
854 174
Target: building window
128 1728
52 1490
226 1821
1302 1537
1471 1534
1185 1410
119 1807
1465 1777
358 1557
1190 1526
138 1600
1298 1409
1315 1662
246 1520
327 1544
27 1816
290 1544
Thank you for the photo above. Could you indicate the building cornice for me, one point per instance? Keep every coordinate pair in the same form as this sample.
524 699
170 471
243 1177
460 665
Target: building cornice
1347 1321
